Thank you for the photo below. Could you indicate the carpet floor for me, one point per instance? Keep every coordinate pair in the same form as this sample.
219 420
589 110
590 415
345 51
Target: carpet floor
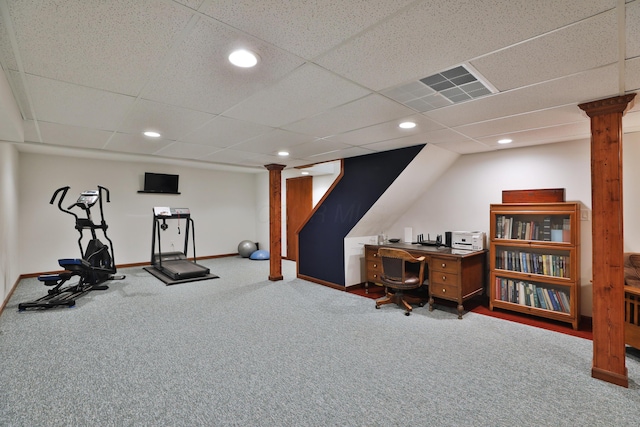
480 305
241 350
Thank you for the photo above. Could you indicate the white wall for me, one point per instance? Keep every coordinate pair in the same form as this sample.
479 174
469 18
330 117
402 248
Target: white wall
631 191
262 204
9 255
222 204
419 175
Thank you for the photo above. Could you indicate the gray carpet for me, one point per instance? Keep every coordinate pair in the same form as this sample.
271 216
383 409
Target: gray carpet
243 351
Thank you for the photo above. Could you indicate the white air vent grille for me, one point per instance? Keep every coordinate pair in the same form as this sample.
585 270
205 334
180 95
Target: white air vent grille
440 90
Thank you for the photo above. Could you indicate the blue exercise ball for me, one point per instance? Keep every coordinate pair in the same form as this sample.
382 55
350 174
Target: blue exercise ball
246 248
259 254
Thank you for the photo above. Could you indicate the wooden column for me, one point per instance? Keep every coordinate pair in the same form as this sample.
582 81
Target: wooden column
275 221
608 238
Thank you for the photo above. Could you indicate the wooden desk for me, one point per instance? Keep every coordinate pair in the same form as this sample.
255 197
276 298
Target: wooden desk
452 276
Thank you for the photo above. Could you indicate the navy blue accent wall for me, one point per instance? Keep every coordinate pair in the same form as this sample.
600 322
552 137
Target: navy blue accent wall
365 178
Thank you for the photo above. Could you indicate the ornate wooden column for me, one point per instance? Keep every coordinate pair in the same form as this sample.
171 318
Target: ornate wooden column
608 238
275 221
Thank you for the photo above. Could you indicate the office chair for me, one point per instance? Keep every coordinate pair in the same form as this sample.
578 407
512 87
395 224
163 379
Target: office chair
400 272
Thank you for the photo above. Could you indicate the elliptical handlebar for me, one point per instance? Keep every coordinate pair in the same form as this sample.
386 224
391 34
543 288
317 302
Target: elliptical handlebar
64 193
106 190
100 190
53 198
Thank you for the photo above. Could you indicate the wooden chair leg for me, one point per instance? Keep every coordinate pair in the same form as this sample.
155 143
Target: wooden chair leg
387 299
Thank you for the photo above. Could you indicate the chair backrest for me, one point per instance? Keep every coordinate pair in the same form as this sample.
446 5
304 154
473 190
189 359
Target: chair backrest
394 268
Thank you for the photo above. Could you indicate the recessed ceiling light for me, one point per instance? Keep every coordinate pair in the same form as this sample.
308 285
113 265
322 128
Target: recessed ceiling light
407 125
152 134
305 172
243 58
283 153
505 141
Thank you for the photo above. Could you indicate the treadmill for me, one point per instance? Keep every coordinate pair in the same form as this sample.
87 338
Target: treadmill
174 265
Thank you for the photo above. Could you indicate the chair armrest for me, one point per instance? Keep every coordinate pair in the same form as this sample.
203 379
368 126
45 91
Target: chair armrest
632 290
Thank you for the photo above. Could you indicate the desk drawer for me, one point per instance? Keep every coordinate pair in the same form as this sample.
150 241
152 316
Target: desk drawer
444 278
446 291
443 264
374 269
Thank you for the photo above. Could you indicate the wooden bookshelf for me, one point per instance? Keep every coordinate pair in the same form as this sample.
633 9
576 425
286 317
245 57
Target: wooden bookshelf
535 259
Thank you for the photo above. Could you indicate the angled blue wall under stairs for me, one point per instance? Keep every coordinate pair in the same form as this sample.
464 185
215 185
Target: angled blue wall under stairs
364 180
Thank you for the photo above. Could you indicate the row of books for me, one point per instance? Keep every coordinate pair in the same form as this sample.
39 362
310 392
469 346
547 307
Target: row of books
532 295
527 262
514 228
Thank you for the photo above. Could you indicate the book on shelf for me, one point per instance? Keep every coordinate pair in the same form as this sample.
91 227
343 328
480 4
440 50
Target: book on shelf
541 299
566 230
533 263
532 295
554 301
546 229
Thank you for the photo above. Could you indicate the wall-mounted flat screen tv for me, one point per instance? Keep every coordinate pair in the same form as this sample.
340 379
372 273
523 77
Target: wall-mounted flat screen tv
160 183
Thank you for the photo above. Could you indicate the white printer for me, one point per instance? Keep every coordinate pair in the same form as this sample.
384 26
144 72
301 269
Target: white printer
469 240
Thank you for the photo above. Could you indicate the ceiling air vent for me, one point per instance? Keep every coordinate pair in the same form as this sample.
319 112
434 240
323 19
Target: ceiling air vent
440 90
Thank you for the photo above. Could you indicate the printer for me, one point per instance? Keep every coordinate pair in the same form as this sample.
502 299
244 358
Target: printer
469 240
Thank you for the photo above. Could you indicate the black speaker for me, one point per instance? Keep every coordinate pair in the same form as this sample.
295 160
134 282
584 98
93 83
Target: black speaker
447 239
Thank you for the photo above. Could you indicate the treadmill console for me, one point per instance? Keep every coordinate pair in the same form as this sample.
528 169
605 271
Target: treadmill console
166 212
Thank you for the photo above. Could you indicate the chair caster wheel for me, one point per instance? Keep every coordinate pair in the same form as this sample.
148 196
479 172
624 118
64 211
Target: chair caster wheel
408 313
377 307
421 304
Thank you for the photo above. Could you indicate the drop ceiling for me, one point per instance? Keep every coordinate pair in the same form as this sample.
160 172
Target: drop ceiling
334 79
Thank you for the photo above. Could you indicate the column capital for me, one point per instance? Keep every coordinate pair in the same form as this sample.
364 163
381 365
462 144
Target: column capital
617 104
274 167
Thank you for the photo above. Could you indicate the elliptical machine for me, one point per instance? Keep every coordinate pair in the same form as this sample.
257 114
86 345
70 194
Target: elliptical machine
97 264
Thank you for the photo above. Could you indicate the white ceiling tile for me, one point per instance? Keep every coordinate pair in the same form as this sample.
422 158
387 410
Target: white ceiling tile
465 147
583 87
20 94
192 4
272 141
393 144
112 45
301 26
316 147
225 132
7 58
587 44
264 159
73 136
164 64
341 154
393 52
533 120
386 131
170 121
565 132
632 74
442 136
200 77
55 101
358 114
230 156
307 91
136 143
183 150
633 29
